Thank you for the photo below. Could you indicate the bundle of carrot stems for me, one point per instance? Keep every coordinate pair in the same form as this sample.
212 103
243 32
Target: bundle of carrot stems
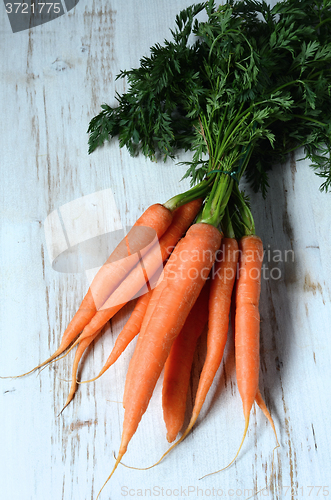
254 86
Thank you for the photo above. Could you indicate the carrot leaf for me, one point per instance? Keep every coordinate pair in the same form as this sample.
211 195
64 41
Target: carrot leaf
243 74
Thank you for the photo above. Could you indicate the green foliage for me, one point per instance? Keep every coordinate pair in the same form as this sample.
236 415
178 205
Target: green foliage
252 86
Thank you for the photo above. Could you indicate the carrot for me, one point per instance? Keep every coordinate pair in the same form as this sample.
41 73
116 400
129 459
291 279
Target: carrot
247 323
258 400
184 276
177 368
218 321
219 308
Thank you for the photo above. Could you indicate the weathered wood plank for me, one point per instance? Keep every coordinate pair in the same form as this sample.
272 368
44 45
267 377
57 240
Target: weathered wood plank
53 79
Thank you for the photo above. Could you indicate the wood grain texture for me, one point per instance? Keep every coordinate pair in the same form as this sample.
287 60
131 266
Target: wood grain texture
53 79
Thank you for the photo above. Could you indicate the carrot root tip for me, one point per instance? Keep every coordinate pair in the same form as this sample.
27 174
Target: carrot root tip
170 437
234 459
118 460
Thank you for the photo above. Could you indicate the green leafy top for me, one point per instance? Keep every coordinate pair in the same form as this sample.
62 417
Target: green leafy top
253 86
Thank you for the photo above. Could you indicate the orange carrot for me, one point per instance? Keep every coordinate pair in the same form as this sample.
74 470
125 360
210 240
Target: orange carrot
184 276
247 322
247 328
218 321
258 400
177 368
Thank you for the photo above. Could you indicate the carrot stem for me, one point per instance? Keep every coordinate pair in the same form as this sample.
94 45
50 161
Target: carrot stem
198 191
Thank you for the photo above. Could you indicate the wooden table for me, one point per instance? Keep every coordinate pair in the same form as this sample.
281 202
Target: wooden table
53 79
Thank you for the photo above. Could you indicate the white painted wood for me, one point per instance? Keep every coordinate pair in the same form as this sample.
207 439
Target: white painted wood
53 79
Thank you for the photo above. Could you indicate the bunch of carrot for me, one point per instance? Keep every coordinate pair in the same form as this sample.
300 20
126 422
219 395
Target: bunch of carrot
204 265
196 288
